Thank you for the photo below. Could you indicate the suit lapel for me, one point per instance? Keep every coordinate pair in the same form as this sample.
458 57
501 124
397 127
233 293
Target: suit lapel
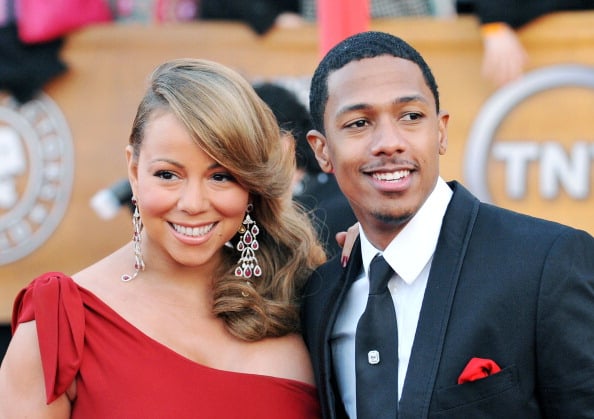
435 311
347 277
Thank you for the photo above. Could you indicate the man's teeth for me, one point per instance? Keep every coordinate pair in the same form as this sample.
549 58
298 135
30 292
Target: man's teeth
193 231
391 175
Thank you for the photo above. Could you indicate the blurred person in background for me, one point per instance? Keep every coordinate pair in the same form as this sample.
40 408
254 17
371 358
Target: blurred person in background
504 56
260 15
315 190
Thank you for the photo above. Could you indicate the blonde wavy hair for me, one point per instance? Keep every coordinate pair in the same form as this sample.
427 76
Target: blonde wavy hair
228 120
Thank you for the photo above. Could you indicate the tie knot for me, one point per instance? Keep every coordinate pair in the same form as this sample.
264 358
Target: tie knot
379 275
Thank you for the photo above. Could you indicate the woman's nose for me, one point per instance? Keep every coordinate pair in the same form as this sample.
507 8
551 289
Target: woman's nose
193 198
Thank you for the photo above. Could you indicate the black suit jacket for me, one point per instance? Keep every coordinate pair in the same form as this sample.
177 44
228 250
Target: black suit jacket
502 286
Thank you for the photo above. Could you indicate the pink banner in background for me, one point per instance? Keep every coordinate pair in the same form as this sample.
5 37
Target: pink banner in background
4 12
339 19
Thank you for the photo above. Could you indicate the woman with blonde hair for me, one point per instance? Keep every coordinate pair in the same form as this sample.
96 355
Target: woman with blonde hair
198 315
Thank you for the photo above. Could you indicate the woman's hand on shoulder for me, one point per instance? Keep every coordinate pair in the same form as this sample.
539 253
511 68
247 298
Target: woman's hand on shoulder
346 240
22 386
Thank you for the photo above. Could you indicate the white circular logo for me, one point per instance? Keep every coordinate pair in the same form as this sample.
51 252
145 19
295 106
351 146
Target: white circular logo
479 145
36 174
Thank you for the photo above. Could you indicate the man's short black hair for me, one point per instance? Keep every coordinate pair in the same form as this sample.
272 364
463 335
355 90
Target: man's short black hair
357 47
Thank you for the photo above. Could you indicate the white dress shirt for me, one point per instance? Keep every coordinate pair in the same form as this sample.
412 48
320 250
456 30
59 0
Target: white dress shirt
409 254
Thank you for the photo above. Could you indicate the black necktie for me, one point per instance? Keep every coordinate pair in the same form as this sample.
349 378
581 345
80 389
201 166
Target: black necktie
376 348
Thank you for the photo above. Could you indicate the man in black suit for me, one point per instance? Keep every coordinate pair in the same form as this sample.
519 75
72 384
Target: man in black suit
494 309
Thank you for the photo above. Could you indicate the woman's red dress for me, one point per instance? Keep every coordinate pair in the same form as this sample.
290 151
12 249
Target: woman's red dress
122 373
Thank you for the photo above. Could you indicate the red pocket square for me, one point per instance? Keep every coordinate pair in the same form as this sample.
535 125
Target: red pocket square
478 368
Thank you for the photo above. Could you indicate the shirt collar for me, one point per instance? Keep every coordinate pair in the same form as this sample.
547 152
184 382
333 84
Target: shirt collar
413 247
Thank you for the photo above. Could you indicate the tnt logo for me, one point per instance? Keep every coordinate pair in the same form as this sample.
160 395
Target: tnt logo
558 169
531 147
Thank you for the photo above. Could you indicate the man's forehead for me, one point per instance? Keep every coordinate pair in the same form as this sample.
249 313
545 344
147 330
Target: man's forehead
384 75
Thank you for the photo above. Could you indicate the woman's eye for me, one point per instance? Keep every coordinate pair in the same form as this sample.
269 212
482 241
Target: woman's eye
164 174
222 177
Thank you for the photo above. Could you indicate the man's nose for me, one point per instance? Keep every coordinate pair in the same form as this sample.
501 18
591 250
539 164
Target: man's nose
387 137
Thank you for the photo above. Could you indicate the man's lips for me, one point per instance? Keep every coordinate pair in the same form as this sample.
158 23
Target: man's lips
391 176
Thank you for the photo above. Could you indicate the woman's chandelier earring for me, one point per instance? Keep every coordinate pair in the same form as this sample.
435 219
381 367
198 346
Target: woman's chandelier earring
138 262
247 245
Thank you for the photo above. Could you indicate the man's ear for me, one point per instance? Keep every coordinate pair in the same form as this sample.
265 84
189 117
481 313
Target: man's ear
444 117
318 143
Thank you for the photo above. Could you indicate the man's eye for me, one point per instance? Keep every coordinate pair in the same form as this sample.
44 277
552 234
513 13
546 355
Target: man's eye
412 116
358 124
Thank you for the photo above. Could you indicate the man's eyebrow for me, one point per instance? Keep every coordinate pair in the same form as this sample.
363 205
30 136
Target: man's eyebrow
411 98
398 101
351 108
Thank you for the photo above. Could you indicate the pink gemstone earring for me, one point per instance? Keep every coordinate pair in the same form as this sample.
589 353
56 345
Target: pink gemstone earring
247 245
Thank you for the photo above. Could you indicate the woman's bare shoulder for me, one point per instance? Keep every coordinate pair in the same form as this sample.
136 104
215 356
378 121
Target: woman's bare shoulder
22 385
284 357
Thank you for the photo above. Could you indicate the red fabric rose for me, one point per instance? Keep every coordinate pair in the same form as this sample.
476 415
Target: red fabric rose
478 368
